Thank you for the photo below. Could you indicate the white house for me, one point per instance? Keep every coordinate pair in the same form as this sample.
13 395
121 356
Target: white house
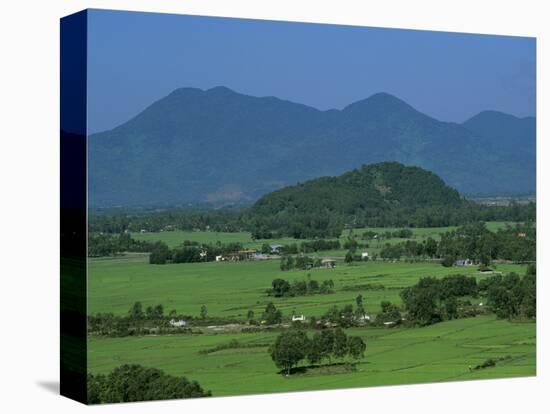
300 318
177 323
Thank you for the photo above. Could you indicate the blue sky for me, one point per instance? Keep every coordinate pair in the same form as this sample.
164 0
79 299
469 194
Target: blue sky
135 59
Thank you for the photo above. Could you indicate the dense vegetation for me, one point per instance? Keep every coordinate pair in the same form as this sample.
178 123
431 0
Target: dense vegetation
433 300
129 383
385 194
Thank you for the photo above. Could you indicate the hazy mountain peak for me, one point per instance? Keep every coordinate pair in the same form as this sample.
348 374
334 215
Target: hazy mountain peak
221 90
380 102
194 144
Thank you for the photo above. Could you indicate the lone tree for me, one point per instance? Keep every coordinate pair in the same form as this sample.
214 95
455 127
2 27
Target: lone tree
289 349
271 315
250 315
204 312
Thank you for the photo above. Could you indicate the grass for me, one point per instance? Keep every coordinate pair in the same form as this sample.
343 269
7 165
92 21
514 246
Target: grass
230 289
442 352
238 363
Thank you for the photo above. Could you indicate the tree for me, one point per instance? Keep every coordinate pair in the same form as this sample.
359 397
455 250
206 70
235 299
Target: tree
158 312
448 261
420 302
451 308
289 349
204 312
250 315
326 344
272 315
136 312
315 350
340 346
389 313
160 253
356 347
280 287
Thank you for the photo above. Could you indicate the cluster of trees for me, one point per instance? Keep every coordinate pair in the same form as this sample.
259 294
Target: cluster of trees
475 241
472 241
293 346
190 252
129 383
299 262
433 300
283 288
510 296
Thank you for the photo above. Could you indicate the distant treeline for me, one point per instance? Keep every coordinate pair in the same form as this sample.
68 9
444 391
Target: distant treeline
110 245
271 223
474 241
198 218
130 383
152 319
100 245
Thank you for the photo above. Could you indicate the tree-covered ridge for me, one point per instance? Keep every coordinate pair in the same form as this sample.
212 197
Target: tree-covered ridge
219 146
368 195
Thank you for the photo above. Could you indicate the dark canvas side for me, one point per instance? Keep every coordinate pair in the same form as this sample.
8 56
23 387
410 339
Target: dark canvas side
73 51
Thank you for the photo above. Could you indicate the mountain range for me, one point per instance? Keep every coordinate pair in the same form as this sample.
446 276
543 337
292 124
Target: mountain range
220 146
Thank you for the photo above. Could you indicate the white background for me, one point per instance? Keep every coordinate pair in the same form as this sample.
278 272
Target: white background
29 194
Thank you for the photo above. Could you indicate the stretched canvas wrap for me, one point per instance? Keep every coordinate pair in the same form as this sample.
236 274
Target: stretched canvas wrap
258 207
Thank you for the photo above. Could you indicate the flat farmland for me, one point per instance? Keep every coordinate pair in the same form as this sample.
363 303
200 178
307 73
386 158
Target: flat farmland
176 238
230 289
443 352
